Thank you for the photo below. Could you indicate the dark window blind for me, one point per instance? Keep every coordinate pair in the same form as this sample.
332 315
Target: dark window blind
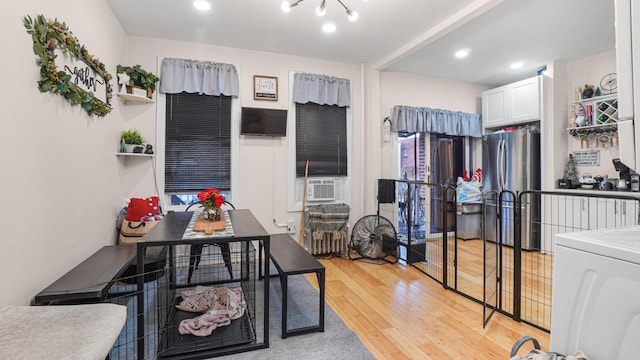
321 138
197 143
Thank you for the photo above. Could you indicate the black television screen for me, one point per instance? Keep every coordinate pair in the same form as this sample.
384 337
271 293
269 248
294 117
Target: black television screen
267 122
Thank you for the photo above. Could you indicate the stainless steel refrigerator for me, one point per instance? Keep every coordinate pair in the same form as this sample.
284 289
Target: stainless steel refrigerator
447 164
511 161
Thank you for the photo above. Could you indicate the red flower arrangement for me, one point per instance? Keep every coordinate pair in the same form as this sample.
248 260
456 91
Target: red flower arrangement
210 198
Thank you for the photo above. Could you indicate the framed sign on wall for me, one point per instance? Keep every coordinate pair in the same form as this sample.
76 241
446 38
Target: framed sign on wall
587 157
265 88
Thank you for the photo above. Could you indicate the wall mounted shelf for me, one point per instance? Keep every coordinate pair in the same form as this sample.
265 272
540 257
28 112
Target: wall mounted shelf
134 99
600 109
601 113
134 154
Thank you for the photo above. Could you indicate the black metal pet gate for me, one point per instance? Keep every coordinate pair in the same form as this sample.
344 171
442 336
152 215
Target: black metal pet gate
507 264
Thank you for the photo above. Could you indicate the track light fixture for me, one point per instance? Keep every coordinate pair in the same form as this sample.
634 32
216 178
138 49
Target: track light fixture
288 4
321 9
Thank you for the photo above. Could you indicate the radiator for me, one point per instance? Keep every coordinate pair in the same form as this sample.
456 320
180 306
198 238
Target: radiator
325 229
327 242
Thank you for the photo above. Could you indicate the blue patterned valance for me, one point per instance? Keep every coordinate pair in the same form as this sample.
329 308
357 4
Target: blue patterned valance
421 119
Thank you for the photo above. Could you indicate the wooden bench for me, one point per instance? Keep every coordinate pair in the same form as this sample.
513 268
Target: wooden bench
290 258
89 282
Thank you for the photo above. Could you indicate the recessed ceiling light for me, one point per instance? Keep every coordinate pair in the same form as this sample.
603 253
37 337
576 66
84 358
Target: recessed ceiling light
462 53
517 65
202 5
329 27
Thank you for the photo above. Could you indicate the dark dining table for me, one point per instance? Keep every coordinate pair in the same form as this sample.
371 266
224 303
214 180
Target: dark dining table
170 232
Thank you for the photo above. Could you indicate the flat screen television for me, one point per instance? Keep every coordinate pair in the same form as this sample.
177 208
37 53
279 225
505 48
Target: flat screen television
264 122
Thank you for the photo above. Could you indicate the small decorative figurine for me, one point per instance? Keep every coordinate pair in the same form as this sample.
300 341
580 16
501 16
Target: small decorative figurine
149 149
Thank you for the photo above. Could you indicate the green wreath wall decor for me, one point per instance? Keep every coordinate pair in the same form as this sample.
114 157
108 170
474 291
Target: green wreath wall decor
49 35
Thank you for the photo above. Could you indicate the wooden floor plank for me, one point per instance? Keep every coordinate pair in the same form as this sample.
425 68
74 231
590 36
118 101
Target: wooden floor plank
400 313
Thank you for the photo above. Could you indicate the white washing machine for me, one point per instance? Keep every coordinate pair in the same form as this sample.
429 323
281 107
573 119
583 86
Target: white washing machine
596 294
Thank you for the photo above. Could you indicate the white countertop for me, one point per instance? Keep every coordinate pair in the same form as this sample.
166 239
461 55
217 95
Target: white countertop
598 192
622 244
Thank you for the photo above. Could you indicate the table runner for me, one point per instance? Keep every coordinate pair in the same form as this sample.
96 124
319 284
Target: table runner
190 234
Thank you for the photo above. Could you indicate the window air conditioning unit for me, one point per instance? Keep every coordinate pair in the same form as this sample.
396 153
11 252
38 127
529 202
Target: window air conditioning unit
321 189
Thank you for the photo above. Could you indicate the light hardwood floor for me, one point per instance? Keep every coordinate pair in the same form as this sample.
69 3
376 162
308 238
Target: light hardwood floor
400 313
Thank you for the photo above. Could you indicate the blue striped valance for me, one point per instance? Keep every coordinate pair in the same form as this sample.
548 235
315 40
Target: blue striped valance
421 119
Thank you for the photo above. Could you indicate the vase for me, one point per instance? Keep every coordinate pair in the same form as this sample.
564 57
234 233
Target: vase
130 148
138 91
212 214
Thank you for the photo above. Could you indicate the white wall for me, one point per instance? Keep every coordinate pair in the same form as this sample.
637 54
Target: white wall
554 139
263 161
590 70
61 182
412 90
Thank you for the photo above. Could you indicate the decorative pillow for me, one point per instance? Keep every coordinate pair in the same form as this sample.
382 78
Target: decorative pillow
143 209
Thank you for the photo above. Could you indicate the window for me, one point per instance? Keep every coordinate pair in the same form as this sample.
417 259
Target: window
321 138
197 145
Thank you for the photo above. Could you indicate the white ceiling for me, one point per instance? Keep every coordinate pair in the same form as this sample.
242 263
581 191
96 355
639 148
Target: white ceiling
416 36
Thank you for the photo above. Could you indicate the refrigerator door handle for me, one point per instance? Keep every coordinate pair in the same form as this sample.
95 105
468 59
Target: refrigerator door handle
501 165
437 165
497 165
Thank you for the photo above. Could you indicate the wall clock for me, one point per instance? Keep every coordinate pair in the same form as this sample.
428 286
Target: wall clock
609 83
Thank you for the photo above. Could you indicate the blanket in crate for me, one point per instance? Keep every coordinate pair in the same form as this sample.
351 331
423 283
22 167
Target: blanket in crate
221 305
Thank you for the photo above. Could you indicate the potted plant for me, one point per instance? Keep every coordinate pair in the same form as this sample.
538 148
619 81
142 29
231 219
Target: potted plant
131 141
133 77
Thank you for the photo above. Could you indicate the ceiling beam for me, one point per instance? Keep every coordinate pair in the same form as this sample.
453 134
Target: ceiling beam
450 24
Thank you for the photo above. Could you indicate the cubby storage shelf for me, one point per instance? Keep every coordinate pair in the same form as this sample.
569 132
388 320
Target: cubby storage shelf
601 109
601 113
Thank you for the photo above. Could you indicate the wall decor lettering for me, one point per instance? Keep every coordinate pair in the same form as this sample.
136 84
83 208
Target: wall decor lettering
265 88
67 68
587 157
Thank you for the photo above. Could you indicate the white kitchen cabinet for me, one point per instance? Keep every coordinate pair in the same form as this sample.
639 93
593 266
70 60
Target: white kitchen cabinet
571 213
629 209
511 104
525 100
493 107
627 22
574 213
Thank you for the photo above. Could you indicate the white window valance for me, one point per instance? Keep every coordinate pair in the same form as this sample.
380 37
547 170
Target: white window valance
422 119
202 77
321 89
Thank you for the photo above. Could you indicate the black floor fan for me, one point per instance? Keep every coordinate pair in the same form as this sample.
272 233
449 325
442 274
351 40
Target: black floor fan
374 237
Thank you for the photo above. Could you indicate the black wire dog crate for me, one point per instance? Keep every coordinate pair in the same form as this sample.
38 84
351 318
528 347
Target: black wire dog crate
190 304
